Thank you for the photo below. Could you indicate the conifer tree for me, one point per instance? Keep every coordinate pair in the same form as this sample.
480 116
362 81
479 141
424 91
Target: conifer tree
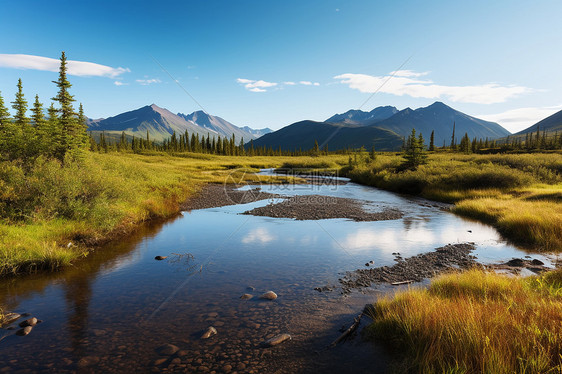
41 127
71 130
453 141
82 127
414 152
5 122
54 142
21 135
465 144
432 141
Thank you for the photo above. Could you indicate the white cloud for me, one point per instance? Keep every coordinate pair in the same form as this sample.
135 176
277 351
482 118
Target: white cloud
407 73
78 68
255 86
146 82
119 83
519 119
262 86
309 83
406 82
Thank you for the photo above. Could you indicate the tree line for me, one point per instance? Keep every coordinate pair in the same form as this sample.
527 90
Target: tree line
61 134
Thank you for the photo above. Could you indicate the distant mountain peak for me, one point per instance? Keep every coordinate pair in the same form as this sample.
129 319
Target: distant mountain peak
160 123
359 117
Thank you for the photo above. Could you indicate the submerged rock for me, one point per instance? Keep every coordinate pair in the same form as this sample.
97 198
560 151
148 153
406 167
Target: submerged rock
269 295
29 322
276 340
88 361
210 332
246 296
25 331
537 262
167 349
160 258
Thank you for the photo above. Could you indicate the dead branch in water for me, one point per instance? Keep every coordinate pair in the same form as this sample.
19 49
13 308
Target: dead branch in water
349 331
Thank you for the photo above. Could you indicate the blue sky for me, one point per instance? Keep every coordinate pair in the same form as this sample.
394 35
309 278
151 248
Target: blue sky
271 63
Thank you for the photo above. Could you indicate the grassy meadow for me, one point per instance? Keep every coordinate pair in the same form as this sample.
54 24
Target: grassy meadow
474 322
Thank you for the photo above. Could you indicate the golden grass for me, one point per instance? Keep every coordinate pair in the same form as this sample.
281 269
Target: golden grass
475 322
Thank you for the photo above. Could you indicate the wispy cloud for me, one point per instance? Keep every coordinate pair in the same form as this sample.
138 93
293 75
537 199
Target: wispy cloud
119 83
408 73
519 119
77 68
256 86
407 82
146 82
263 86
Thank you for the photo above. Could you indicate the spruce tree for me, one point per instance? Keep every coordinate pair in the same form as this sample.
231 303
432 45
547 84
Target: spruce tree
414 153
54 141
465 144
20 106
5 122
432 141
41 127
22 134
453 141
82 127
373 155
72 131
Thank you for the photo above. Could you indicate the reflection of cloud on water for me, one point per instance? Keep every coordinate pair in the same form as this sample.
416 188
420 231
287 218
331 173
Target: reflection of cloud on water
387 240
258 235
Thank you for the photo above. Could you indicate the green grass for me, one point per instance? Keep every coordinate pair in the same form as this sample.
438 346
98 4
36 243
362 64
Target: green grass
474 322
518 194
44 207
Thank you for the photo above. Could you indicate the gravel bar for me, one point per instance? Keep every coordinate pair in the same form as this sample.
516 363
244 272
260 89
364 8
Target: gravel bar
312 207
217 195
413 269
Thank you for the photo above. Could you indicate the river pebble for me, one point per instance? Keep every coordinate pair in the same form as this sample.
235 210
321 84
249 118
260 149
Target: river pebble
269 295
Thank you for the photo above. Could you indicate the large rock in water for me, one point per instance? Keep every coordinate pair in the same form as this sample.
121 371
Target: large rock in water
210 332
25 331
167 349
29 322
276 340
269 295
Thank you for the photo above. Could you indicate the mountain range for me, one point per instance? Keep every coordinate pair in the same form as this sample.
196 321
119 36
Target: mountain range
160 124
383 127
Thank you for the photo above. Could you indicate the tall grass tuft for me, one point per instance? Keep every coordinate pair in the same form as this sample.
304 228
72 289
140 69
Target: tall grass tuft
475 322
